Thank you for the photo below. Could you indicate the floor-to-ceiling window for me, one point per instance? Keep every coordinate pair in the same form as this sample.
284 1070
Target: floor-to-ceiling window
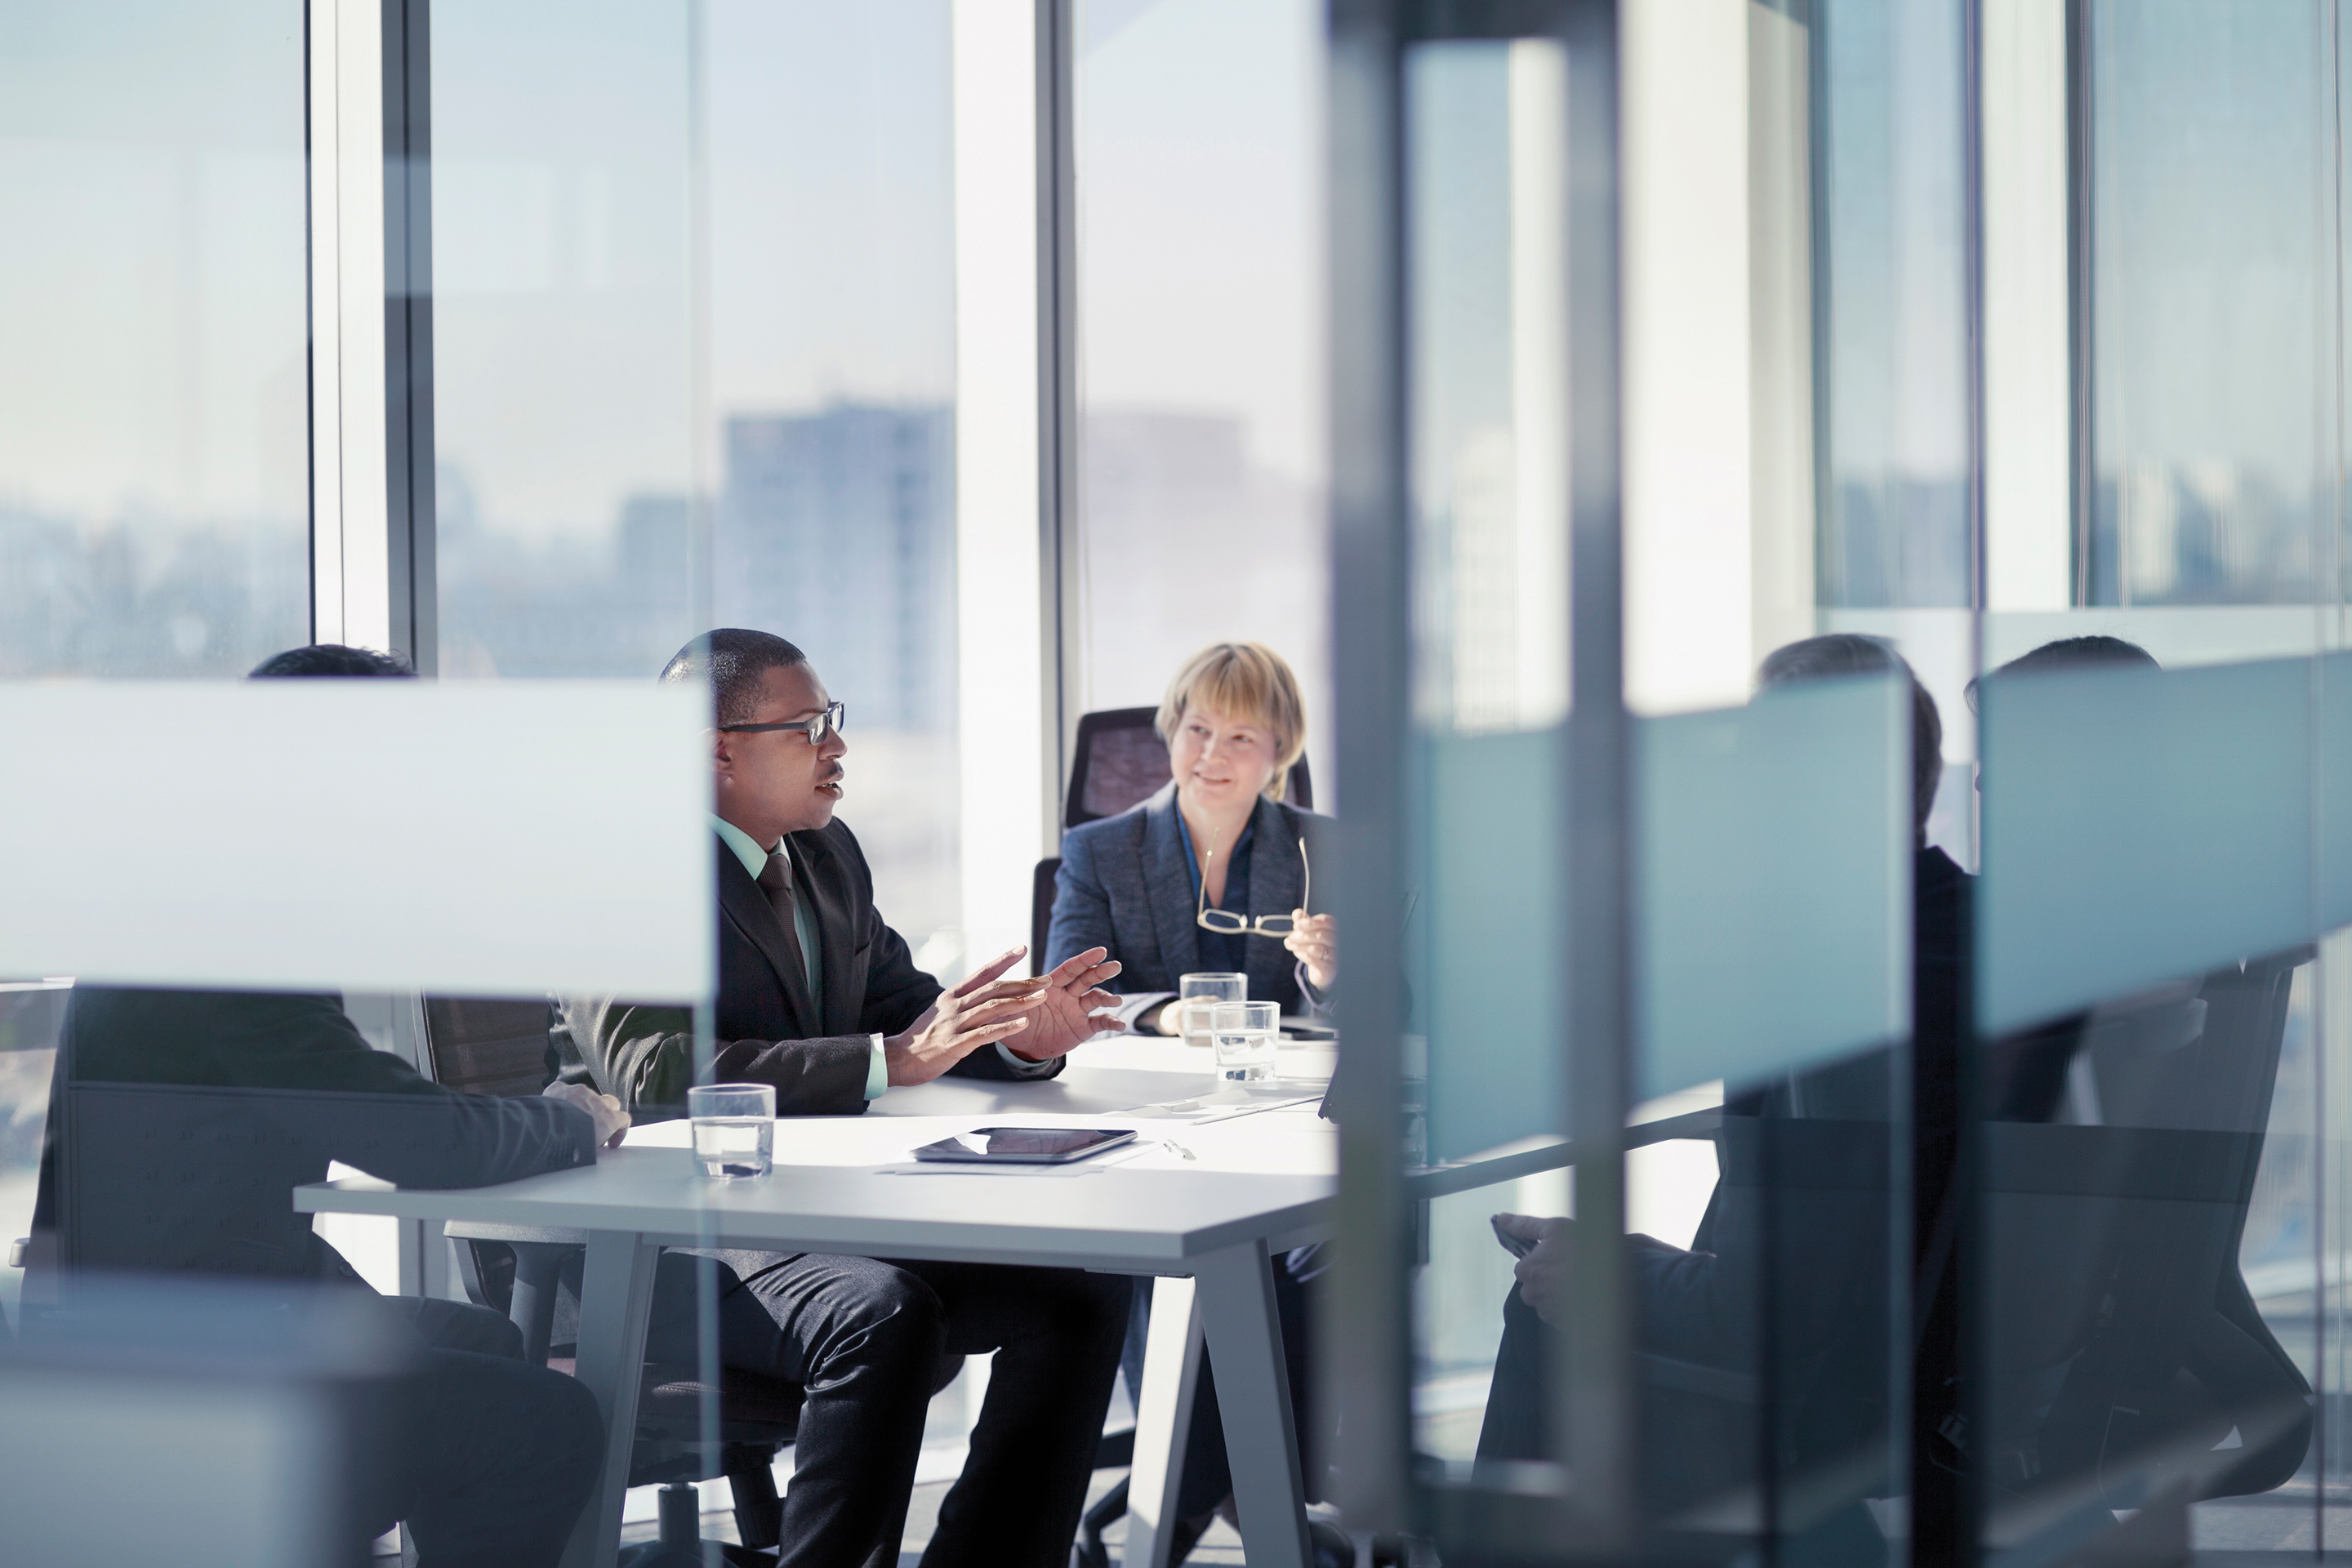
155 438
693 367
1199 331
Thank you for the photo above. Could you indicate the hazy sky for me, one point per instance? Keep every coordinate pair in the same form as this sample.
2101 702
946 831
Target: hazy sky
1200 215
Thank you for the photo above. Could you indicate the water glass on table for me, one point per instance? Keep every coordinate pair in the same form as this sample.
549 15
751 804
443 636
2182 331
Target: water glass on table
1196 993
734 1130
1244 1034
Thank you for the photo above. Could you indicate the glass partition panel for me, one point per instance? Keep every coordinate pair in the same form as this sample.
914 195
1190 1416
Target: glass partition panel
1769 951
2138 823
1773 883
2017 1228
2151 1264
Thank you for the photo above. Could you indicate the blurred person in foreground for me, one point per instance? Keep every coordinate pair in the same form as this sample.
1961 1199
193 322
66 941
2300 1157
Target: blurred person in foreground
2224 1373
1698 1312
821 998
493 1457
1212 873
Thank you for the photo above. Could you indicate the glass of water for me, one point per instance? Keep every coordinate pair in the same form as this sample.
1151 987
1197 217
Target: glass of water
1196 993
1244 1034
734 1128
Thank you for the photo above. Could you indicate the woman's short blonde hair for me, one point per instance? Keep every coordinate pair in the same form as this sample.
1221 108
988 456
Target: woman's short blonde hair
1246 681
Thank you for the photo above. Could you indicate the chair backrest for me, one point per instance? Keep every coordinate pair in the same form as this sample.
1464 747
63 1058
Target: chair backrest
1117 761
2114 1257
1041 911
487 1044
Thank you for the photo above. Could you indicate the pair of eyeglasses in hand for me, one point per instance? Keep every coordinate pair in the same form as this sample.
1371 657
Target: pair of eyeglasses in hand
1232 923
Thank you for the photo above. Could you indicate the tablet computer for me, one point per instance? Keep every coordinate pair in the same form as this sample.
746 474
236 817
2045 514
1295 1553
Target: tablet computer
1025 1145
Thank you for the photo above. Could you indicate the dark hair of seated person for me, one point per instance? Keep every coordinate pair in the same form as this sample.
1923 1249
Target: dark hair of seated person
330 659
734 661
2078 653
1837 654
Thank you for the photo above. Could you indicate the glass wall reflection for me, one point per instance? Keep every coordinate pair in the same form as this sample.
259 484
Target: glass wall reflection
2038 1252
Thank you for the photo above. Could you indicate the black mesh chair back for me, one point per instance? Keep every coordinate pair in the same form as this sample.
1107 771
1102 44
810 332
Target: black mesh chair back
1117 762
489 1046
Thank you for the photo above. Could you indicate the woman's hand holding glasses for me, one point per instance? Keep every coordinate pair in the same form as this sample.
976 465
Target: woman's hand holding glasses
1314 940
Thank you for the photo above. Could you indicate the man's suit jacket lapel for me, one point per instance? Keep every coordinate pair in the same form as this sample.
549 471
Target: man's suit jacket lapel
744 901
1277 887
1167 875
816 864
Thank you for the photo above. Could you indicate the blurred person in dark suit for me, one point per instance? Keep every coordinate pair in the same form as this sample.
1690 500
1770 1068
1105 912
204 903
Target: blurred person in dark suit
181 1120
1820 1195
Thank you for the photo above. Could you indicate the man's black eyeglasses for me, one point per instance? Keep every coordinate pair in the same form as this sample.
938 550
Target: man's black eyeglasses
827 723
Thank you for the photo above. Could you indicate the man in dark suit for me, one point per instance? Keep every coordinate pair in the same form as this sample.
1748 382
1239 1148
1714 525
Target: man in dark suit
180 1122
818 996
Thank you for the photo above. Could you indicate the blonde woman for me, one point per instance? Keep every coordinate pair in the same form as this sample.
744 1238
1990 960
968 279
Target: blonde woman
1213 872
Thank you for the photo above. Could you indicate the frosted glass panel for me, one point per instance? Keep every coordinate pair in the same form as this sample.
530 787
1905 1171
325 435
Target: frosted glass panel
2139 825
2335 857
1495 1002
471 839
1774 883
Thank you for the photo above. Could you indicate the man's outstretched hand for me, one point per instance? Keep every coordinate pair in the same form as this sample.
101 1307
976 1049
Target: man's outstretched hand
978 1010
1071 1009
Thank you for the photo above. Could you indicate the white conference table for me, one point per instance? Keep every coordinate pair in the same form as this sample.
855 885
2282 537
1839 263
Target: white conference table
1226 1178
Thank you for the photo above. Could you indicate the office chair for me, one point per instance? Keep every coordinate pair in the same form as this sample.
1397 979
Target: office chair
1117 762
502 1047
2125 1353
2168 1357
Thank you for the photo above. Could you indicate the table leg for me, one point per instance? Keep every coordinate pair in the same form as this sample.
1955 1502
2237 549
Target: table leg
616 1303
1244 1334
1163 1416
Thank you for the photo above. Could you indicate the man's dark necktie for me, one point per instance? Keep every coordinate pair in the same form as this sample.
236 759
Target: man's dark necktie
776 881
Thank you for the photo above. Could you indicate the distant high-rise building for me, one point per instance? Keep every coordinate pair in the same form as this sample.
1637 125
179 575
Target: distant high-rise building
837 530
